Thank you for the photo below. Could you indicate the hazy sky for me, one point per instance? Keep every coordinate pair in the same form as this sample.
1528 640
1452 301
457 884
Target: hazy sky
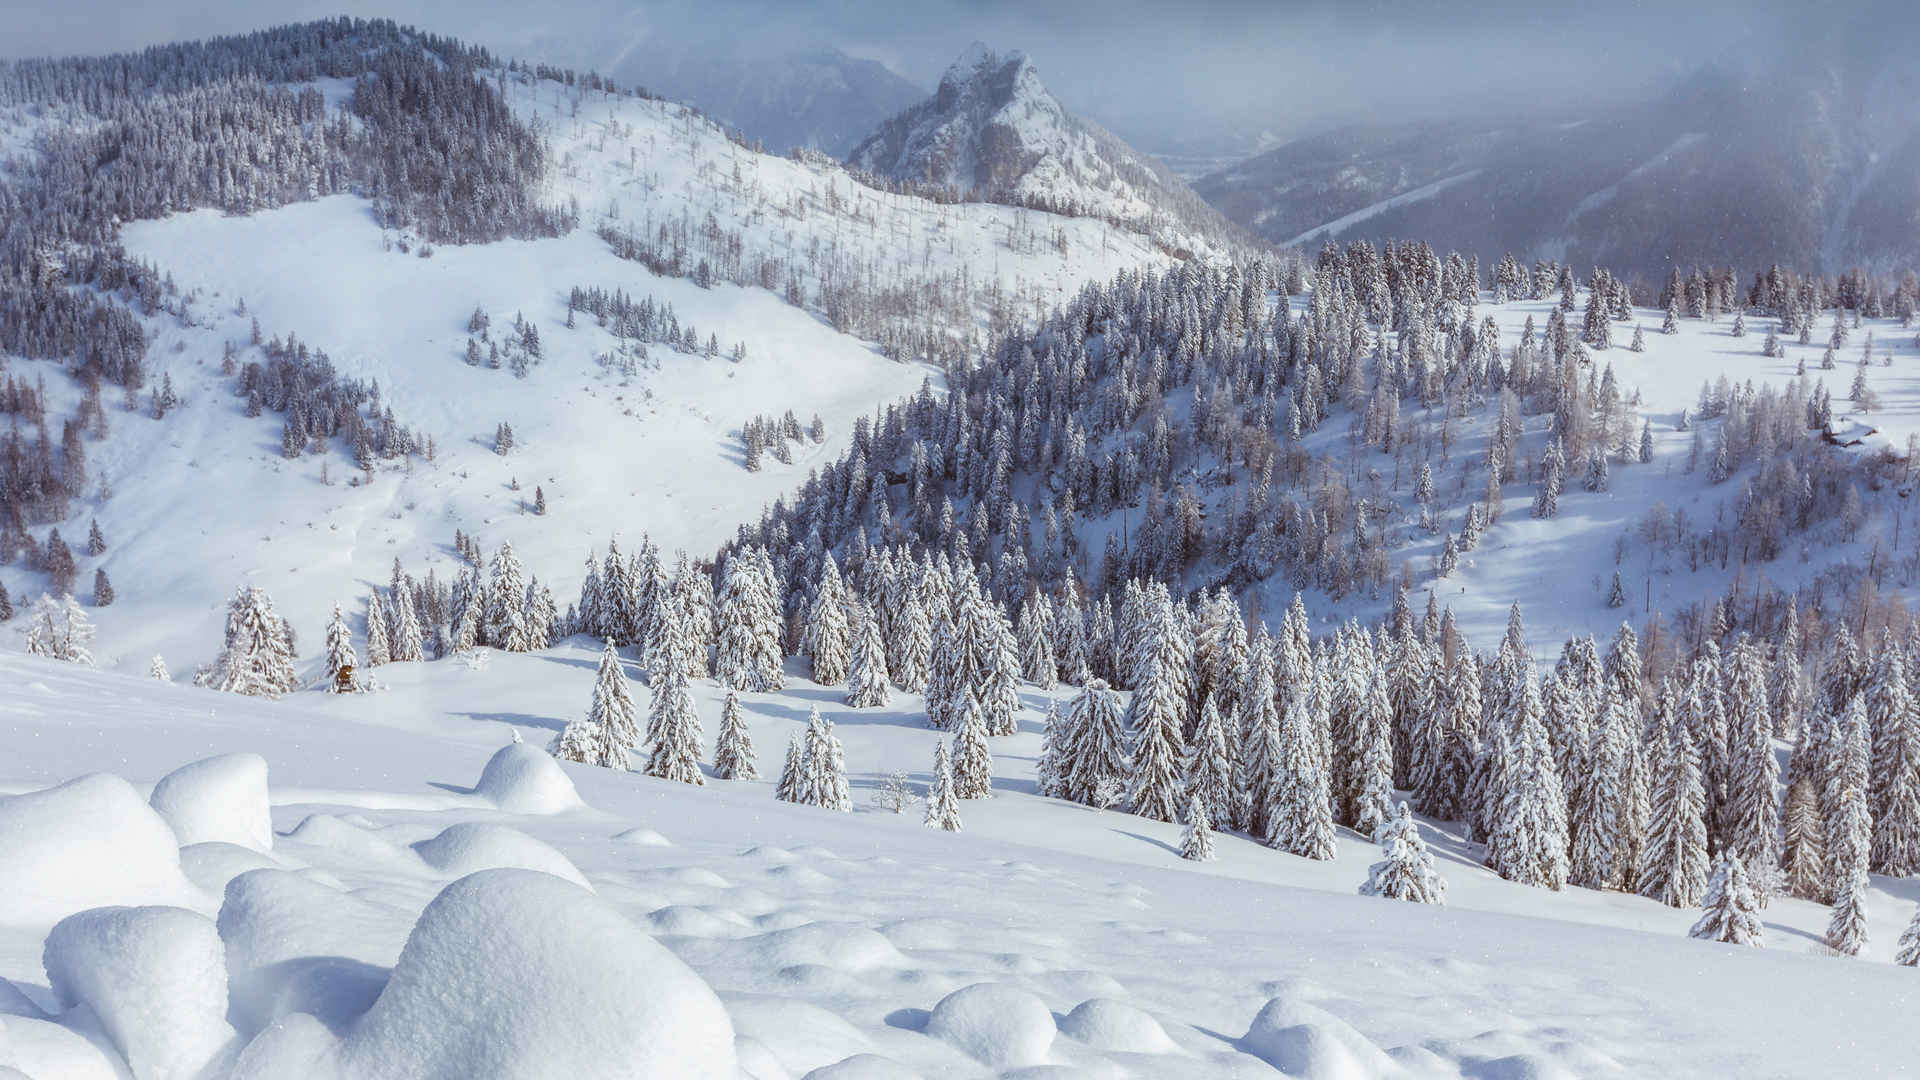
1153 71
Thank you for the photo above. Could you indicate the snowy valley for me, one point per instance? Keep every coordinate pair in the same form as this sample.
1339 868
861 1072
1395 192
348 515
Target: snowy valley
552 591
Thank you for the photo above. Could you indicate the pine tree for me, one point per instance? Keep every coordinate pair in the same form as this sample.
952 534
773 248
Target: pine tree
96 541
1804 863
1894 767
1095 748
910 650
1751 823
1675 871
733 753
787 789
828 638
972 760
1300 815
506 616
1729 913
1035 637
823 768
673 724
603 736
1646 441
340 655
157 669
1599 794
1847 929
378 650
406 643
1407 872
1527 841
943 804
1617 592
1196 840
1210 759
867 686
1154 719
1907 953
748 654
6 605
258 657
1849 821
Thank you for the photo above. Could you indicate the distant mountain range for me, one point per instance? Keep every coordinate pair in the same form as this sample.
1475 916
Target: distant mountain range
993 131
1811 163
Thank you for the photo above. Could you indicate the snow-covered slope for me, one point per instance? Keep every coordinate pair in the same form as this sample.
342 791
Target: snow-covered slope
992 130
828 936
618 445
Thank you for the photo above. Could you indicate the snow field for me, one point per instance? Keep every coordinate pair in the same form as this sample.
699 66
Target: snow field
1046 936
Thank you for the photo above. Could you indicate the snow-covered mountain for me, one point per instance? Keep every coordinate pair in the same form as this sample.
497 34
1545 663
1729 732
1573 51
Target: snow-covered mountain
818 98
1806 160
993 131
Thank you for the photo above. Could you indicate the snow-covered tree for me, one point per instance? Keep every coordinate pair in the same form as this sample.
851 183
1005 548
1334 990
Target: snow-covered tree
829 638
603 736
506 615
1095 747
1209 772
379 648
59 630
1154 719
1196 840
733 752
748 653
1847 929
406 643
673 724
787 788
1527 837
910 650
943 803
157 669
972 760
258 656
823 767
340 656
1804 864
1300 814
1894 768
1730 912
1675 869
1907 952
1407 872
867 685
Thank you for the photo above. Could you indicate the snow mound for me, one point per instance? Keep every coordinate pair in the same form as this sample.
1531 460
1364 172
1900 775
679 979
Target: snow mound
43 1050
698 876
90 842
296 946
221 798
642 838
863 1067
15 1003
691 920
155 977
512 973
1304 1040
1003 1026
521 778
470 846
841 946
1107 1024
211 865
800 1036
340 836
800 877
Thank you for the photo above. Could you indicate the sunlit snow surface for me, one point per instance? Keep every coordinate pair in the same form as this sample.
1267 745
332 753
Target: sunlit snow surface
828 939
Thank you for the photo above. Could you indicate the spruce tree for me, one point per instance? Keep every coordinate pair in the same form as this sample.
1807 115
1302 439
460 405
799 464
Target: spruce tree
378 650
943 803
603 736
747 656
1154 719
506 615
867 685
1599 793
1095 747
1675 871
823 767
673 724
1752 818
828 638
1894 768
1849 832
1210 759
1036 636
787 789
406 644
1196 840
1300 814
910 651
1730 913
258 657
1907 952
972 760
102 588
1407 872
1804 863
1847 929
340 655
1048 783
1527 841
733 753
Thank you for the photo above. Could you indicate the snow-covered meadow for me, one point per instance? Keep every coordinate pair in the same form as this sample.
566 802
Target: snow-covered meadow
280 916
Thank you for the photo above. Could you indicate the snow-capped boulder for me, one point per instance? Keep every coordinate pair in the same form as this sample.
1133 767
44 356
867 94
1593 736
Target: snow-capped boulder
1003 1026
521 778
296 946
477 845
90 842
220 798
1107 1024
511 974
155 977
1304 1040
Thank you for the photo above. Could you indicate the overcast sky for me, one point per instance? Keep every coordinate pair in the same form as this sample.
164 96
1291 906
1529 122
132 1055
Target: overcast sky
1151 70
